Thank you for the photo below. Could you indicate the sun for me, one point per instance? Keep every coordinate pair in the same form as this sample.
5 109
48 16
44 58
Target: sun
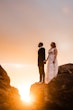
24 91
18 65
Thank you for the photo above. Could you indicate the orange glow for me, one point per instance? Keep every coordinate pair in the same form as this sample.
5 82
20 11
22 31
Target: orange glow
25 93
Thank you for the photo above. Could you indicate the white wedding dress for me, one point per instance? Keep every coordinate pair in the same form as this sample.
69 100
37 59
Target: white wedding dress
51 68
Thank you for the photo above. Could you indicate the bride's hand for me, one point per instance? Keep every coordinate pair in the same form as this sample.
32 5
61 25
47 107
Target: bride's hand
53 61
44 61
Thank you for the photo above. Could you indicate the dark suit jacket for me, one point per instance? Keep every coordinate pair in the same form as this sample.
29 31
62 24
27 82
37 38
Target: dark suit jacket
41 56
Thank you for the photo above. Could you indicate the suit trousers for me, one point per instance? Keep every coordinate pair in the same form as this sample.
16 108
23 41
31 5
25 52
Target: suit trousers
41 73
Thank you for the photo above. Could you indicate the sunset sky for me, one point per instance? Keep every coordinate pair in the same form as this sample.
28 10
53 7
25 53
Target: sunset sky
23 24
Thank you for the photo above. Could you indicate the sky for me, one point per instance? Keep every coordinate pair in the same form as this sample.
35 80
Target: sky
23 24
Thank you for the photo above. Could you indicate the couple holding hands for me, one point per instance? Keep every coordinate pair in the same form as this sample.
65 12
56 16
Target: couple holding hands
51 63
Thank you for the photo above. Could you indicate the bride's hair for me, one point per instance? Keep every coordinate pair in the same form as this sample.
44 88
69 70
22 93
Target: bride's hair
53 44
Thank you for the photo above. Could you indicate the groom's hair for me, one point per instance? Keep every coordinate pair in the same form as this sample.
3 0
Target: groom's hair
40 44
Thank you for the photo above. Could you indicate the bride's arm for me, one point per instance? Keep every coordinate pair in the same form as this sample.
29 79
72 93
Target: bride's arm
55 55
47 57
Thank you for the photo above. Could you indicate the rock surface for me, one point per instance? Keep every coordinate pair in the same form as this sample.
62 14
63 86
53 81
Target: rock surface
9 96
58 94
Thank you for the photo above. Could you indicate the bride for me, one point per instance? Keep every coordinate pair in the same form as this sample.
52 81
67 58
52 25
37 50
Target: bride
52 64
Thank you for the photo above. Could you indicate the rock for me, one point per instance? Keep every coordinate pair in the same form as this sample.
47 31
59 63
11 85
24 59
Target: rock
58 94
67 68
38 92
9 96
4 78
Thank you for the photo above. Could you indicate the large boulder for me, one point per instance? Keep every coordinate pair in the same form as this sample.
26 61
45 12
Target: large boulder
67 68
4 78
58 94
9 96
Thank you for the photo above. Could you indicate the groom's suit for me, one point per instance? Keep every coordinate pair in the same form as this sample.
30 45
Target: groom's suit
41 58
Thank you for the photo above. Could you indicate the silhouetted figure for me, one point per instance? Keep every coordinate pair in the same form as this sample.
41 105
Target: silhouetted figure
41 58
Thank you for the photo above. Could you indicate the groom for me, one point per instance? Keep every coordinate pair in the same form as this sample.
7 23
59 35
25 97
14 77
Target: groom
41 58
